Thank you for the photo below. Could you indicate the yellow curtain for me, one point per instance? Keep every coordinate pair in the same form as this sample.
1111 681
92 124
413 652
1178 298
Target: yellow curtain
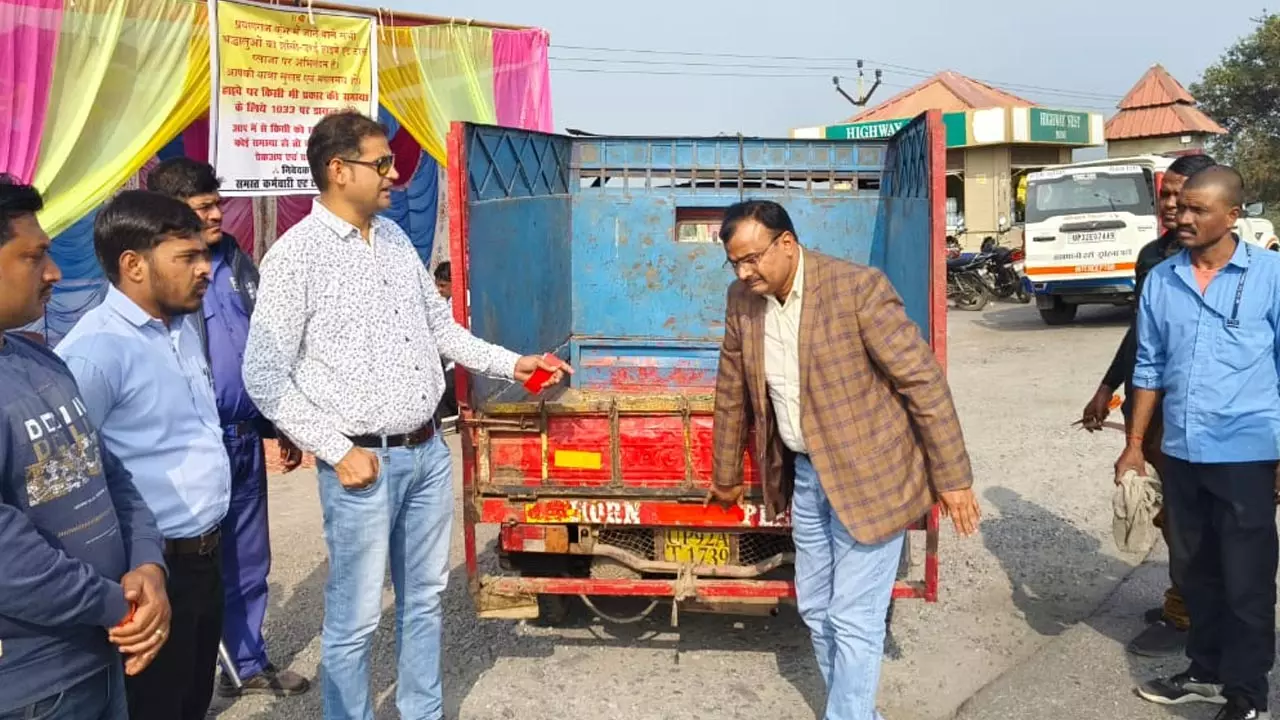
432 75
129 76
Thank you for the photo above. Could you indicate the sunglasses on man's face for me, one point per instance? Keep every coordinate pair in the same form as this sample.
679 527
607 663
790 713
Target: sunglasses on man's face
382 165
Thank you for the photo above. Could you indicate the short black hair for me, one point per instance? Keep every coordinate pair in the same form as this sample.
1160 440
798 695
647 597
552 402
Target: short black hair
338 135
1223 177
16 200
139 220
766 212
183 178
1189 165
444 272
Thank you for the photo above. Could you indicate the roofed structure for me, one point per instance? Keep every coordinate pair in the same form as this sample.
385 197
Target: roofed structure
1159 106
947 91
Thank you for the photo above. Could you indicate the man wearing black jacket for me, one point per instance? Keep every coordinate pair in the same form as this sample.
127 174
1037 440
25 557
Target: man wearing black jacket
223 326
1167 633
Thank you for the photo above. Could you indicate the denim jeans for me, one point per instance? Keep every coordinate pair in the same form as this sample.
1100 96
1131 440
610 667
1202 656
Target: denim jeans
98 697
404 517
843 589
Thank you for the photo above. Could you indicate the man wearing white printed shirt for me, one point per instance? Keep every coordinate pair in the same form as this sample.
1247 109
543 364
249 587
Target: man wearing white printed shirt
344 356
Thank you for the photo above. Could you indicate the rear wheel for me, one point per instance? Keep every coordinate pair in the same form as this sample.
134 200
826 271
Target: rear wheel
971 295
1061 313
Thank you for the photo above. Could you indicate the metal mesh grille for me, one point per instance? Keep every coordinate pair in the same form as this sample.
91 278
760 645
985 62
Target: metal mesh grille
636 542
758 547
752 547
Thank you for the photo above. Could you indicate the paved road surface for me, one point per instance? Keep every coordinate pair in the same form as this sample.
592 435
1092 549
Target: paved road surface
1044 562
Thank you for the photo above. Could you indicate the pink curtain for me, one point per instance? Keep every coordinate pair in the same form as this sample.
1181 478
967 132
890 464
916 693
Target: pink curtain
28 44
522 79
290 209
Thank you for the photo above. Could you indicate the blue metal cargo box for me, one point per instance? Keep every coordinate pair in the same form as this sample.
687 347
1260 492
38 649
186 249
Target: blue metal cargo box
604 249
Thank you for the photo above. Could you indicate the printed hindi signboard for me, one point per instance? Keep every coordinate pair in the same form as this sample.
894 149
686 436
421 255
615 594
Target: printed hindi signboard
276 73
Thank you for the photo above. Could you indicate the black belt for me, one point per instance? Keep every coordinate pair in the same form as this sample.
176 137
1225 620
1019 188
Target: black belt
203 545
409 439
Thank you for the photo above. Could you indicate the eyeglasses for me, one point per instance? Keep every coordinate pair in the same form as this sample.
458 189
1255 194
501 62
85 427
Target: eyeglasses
382 165
753 260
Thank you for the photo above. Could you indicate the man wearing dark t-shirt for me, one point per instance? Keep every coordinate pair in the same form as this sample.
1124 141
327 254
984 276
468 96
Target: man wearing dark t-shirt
1166 634
78 546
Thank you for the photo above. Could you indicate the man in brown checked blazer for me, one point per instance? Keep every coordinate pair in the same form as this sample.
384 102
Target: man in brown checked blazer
854 432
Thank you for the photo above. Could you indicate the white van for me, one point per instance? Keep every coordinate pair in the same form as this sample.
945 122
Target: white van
1085 224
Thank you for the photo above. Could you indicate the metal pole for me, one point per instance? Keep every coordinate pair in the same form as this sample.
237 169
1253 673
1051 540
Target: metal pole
228 665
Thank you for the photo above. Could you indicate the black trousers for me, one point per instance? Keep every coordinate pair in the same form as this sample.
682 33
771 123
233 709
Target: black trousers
1223 550
178 685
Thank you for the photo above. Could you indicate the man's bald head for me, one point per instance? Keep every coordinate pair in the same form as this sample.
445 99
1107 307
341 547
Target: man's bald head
1223 178
1208 207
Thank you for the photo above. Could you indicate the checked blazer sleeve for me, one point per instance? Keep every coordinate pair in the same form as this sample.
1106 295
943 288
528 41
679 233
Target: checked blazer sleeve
732 413
895 345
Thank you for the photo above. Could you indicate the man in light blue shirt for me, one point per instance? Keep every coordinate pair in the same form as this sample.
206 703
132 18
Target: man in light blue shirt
146 385
1208 345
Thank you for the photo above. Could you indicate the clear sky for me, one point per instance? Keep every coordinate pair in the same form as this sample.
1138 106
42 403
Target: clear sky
1082 54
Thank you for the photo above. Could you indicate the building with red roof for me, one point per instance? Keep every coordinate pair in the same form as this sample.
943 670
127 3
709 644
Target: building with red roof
1159 117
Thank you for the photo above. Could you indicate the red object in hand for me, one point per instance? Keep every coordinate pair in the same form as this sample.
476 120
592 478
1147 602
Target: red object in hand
541 376
133 610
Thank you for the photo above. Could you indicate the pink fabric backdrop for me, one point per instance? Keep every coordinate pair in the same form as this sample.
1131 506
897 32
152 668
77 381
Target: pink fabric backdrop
28 44
522 79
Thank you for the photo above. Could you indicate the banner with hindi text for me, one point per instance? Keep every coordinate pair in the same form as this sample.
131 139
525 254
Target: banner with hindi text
276 73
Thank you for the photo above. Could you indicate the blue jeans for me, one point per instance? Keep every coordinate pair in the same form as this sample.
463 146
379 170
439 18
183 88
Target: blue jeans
843 589
405 517
98 697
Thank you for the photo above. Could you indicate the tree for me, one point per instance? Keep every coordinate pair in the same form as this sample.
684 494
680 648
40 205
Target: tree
1242 92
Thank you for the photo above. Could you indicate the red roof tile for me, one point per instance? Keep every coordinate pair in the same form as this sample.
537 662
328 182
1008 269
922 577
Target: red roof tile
968 94
1161 121
1157 87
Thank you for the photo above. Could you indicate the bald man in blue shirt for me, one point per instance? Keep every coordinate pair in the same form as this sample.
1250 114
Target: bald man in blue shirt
1208 345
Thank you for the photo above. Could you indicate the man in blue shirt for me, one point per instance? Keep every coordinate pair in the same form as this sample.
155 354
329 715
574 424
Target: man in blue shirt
224 328
77 543
146 386
1208 347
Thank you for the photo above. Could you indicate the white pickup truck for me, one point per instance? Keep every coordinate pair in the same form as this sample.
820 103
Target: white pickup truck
1085 224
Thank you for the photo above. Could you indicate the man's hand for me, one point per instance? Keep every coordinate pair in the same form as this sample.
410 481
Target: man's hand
142 636
529 364
1097 410
290 454
1131 459
962 507
724 496
357 469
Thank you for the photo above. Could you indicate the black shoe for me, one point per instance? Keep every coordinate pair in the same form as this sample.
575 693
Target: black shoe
279 683
1153 616
1180 690
1238 709
1160 639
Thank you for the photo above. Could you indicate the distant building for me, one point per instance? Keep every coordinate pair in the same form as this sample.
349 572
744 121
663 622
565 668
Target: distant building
993 137
1159 117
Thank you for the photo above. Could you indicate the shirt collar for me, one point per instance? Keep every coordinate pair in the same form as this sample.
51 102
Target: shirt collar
797 285
221 253
126 308
343 229
1240 258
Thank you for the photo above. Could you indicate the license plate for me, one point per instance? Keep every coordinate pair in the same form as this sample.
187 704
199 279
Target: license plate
695 546
1018 267
1091 237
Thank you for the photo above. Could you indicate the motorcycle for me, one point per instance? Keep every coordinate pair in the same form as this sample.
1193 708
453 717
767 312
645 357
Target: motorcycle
1003 271
965 284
